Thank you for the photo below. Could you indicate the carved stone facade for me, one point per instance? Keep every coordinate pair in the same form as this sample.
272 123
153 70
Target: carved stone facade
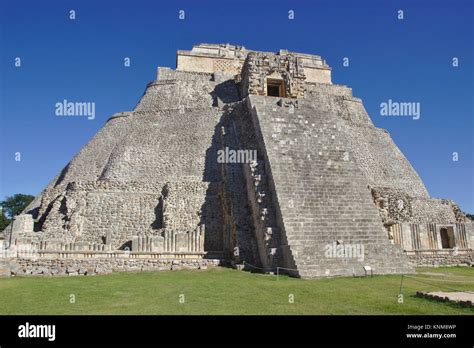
433 231
230 60
261 68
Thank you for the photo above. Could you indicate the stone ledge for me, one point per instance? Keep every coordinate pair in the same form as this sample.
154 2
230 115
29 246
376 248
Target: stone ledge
119 115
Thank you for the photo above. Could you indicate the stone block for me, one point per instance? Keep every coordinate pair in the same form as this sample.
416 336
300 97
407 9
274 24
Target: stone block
23 223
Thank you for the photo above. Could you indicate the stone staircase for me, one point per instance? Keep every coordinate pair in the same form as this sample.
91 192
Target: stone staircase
267 233
239 240
320 195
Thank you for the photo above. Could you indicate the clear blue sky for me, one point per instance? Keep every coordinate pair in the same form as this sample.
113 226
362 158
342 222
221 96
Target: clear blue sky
82 60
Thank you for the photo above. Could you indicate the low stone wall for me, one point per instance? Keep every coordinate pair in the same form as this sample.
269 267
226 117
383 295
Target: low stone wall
440 258
461 298
74 267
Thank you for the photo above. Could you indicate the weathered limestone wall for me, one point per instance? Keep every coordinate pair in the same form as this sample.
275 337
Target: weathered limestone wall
187 205
74 267
212 58
87 165
146 171
377 156
22 223
440 259
92 210
396 205
166 146
209 64
165 95
318 75
387 171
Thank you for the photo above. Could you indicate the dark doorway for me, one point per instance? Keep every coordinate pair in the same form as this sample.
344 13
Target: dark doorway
273 91
275 88
447 237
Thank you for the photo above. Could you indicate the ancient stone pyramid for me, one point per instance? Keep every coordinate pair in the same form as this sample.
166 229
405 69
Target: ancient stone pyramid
154 183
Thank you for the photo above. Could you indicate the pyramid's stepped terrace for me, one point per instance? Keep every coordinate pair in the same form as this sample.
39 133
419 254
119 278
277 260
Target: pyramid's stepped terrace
150 190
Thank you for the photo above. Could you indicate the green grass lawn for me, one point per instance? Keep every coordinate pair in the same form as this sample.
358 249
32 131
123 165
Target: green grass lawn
228 291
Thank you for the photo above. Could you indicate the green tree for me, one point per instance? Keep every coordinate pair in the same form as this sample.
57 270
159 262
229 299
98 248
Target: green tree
4 221
14 205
